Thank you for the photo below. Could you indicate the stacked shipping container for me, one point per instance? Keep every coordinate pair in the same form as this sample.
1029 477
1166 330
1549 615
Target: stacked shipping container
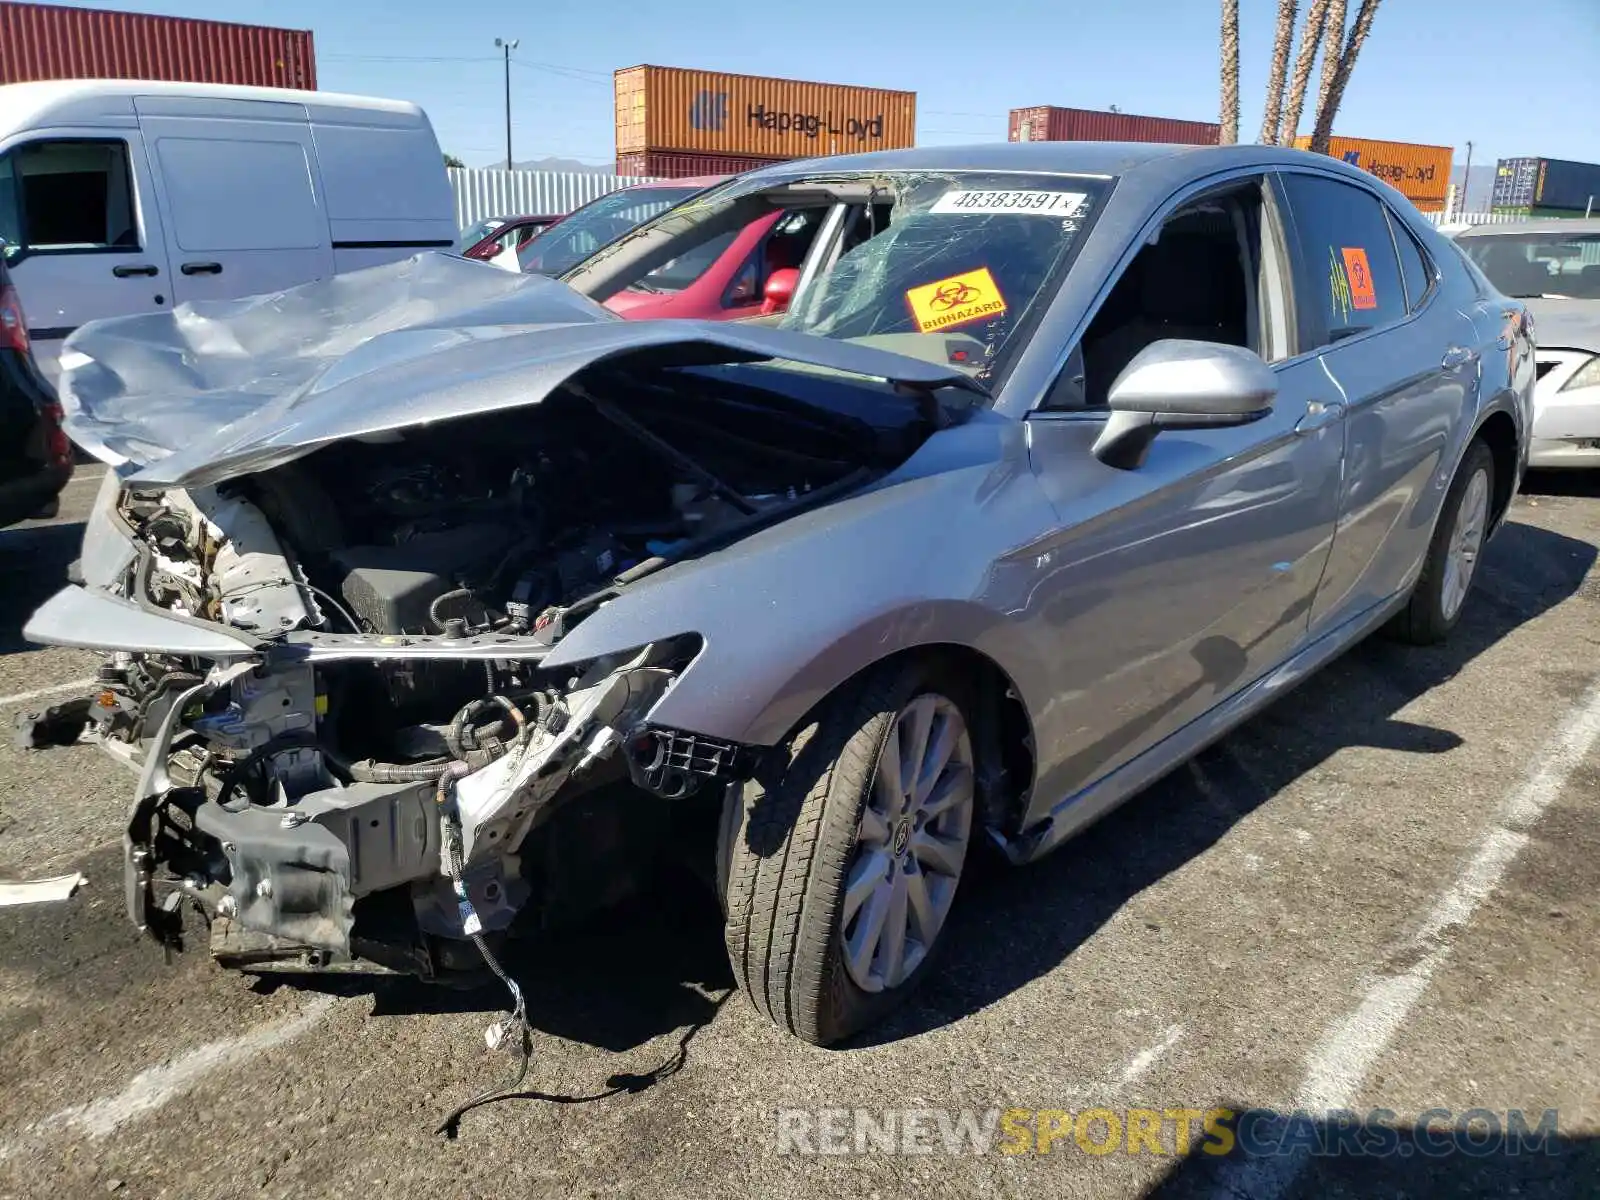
1540 187
1420 173
1044 123
677 122
47 41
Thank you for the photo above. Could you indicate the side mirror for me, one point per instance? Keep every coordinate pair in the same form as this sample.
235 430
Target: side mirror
779 291
1176 384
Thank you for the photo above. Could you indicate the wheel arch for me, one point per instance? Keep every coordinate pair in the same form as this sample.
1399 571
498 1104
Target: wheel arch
1498 431
1002 725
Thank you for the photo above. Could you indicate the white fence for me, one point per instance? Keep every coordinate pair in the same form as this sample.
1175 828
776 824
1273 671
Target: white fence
481 194
1472 218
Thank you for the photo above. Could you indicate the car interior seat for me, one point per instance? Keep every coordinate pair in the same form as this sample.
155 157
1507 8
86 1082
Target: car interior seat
1190 284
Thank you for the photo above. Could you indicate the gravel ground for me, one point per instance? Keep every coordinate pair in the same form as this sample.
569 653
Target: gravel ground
1380 894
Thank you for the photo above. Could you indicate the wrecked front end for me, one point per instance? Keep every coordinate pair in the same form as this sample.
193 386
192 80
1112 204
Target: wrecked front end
331 672
323 787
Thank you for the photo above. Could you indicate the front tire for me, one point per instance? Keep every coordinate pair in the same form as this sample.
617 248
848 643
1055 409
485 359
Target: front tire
843 857
1441 591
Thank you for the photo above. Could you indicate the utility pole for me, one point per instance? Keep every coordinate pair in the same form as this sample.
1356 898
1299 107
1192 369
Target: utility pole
1466 179
507 47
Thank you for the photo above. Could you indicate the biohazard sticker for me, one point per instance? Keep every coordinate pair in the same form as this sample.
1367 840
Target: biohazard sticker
1034 203
972 296
1356 270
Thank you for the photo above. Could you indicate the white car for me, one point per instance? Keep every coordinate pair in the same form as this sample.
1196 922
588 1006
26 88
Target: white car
1554 265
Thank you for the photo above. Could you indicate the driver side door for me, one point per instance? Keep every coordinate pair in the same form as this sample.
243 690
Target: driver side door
1170 587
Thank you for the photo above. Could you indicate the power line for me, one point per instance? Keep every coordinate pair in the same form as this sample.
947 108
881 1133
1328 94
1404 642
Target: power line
574 73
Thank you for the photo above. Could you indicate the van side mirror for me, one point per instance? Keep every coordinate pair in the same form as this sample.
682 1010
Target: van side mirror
1177 384
779 290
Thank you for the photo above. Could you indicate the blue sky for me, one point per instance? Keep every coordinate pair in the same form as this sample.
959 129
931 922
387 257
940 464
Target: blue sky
1514 78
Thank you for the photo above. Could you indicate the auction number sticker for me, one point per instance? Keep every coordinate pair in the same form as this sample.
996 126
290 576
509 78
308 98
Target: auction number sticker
1027 203
971 296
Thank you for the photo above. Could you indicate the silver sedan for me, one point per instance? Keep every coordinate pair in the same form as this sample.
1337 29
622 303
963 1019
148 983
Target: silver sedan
1553 266
432 591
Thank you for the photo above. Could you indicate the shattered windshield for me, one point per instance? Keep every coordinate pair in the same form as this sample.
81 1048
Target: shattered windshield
595 224
957 261
947 266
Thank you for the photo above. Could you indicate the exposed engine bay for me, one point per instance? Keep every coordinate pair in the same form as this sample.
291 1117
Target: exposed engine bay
393 773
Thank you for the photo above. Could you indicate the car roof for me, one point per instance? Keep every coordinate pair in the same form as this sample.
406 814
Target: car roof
1076 158
1574 225
694 181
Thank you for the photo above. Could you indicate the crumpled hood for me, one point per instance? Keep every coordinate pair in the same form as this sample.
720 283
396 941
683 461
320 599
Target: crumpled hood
1566 324
216 390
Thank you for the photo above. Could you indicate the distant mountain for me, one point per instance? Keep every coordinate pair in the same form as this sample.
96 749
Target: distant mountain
550 164
1479 186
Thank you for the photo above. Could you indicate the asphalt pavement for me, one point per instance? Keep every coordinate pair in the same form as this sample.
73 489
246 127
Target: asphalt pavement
1381 894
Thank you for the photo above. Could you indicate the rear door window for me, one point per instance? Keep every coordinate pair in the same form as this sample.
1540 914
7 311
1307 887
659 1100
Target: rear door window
1348 278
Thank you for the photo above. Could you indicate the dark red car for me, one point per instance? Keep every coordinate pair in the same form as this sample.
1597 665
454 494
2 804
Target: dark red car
35 455
744 273
494 236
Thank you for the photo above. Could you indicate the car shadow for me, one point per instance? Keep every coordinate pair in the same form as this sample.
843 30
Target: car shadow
615 981
33 564
991 950
1561 483
1462 1155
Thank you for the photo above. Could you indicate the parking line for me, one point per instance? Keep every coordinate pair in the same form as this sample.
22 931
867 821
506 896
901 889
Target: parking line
70 685
153 1088
1339 1063
1139 1065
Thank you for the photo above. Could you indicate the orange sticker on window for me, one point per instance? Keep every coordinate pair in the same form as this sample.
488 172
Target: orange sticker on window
1359 274
972 296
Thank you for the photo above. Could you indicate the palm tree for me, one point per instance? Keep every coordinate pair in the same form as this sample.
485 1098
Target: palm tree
1333 29
1282 42
1230 73
1310 42
1334 88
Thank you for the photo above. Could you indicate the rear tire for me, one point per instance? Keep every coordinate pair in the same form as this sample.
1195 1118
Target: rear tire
837 888
1440 594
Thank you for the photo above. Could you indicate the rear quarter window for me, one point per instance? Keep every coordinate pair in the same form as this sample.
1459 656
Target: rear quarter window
1414 264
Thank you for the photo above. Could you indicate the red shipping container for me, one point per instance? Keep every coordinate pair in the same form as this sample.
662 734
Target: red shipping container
669 164
1046 123
48 41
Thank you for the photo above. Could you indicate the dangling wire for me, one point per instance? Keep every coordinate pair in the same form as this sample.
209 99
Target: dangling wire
450 863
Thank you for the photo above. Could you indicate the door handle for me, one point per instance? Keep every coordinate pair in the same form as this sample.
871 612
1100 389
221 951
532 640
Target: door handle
201 268
141 269
1458 356
1319 415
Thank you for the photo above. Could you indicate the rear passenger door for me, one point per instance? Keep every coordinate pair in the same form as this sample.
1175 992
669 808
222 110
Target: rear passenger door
240 196
1406 368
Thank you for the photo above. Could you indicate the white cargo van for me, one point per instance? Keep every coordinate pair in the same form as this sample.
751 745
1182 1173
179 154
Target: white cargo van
121 196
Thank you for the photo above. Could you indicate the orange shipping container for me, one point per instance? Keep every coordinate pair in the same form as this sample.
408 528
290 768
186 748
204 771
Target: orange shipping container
710 112
1420 173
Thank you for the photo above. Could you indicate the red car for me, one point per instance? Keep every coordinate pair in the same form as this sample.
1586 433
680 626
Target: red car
35 455
749 272
494 236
